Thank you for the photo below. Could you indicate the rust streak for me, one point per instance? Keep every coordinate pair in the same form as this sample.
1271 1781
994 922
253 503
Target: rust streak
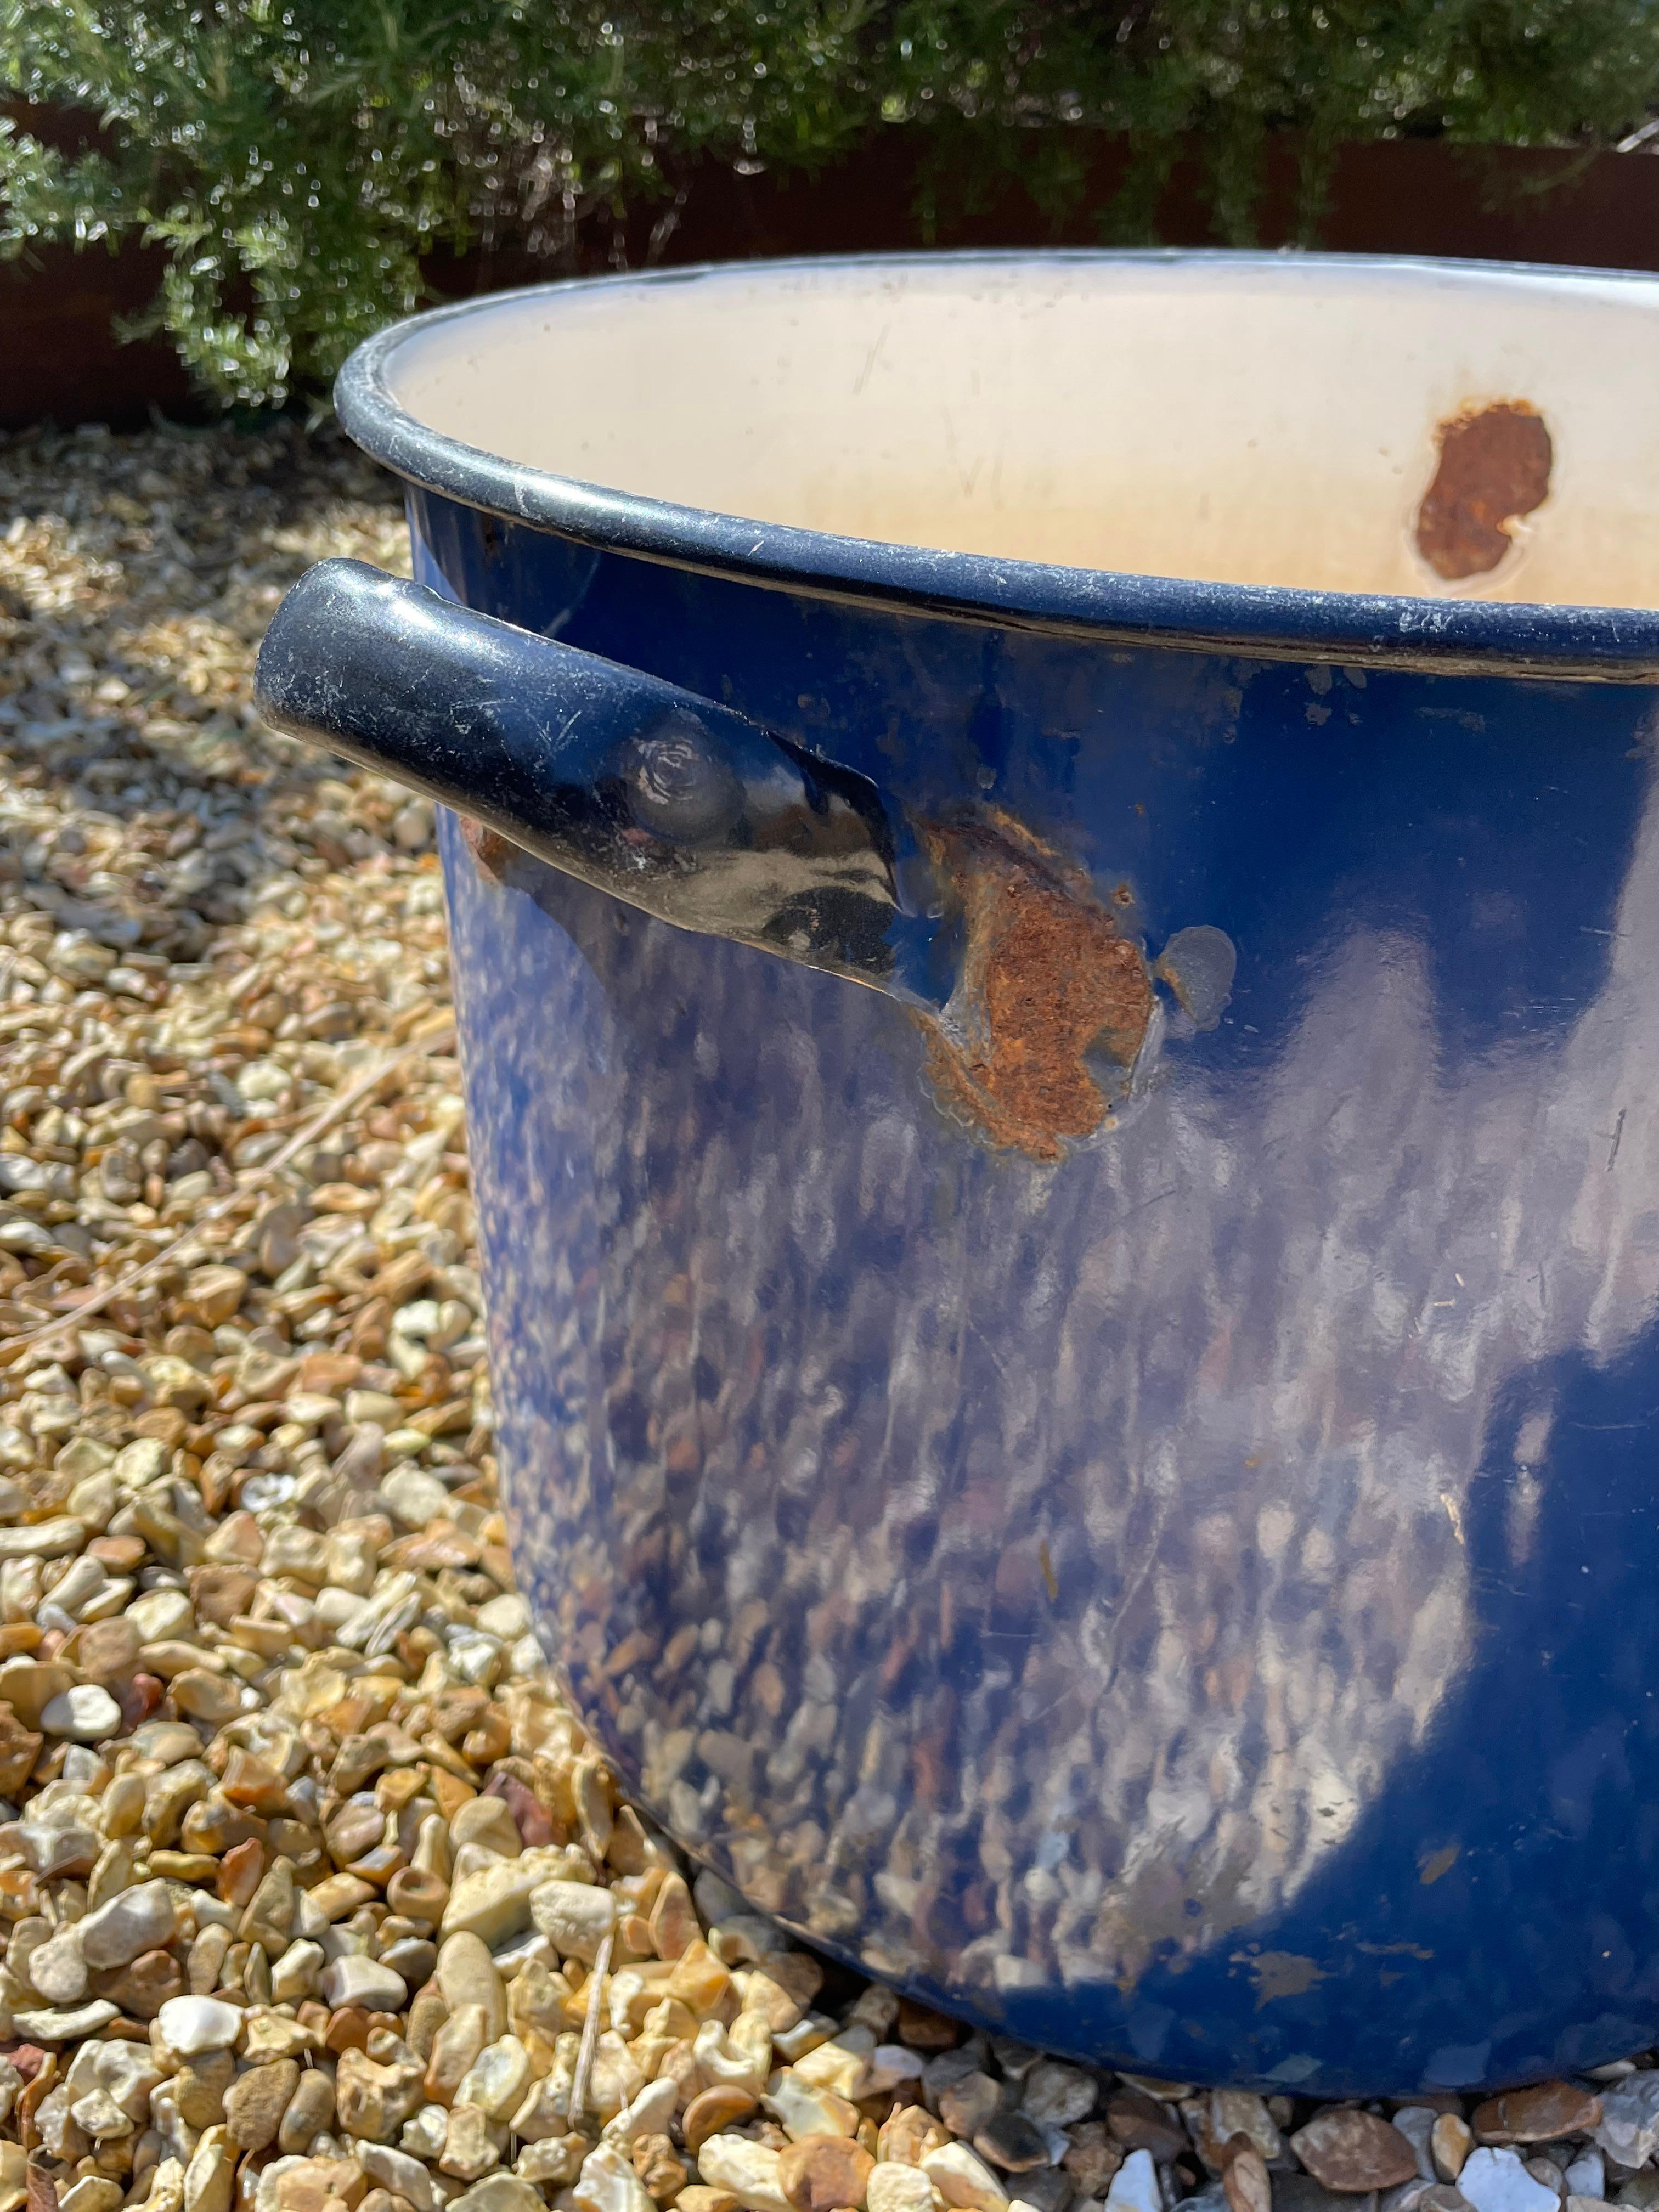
1047 978
1494 467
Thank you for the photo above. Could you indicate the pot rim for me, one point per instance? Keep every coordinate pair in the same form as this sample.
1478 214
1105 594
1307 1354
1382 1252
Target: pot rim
1255 621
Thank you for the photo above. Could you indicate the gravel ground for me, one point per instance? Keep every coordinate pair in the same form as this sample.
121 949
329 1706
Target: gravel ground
316 1899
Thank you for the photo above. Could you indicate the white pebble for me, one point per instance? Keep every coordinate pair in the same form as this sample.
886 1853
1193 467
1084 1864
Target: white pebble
355 1980
190 2025
415 1499
1497 2181
1587 2175
1135 2185
963 2179
575 1916
86 1714
141 1919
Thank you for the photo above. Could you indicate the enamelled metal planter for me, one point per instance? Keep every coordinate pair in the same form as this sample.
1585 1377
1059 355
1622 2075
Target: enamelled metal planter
1055 899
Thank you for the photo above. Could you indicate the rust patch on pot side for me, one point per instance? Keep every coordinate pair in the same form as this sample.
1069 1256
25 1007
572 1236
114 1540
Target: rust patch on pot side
487 846
1494 467
1047 978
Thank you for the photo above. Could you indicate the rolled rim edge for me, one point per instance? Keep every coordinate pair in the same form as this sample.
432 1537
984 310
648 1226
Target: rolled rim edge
1253 620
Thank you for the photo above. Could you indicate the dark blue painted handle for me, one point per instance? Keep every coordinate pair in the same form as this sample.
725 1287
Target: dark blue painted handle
663 798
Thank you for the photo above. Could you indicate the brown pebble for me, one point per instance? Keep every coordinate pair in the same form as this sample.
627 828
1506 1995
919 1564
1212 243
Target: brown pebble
1094 2157
713 2111
426 2016
138 1699
249 1782
348 2030
1140 2123
1246 2183
530 1816
1008 2139
1449 2144
108 1651
923 2029
819 2173
417 1896
199 2088
1539 2114
699 2198
450 1792
220 1593
122 1555
1349 2150
19 1749
310 2111
146 1985
257 2100
240 1871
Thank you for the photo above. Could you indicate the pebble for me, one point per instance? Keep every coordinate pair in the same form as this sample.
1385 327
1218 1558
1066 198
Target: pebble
69 2025
894 2186
1352 2151
499 2192
818 2172
962 2179
1587 2175
1010 2140
356 1980
1245 2184
1141 2122
800 2108
85 1714
1541 2114
1417 2123
1628 2130
255 2101
574 1916
192 2024
58 1969
396 2170
749 2170
1134 2186
1497 2181
1450 2141
143 1919
608 2183
711 2111
1057 2095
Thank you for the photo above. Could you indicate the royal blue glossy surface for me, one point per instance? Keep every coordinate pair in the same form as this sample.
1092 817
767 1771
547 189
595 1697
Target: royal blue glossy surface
1192 1604
1189 1601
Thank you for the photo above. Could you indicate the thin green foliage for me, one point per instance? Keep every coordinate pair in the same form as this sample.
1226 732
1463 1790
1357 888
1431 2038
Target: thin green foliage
299 161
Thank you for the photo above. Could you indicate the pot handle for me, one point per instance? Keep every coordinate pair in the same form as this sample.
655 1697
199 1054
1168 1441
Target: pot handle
665 799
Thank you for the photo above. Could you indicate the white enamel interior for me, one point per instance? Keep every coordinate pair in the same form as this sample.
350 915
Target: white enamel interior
1260 421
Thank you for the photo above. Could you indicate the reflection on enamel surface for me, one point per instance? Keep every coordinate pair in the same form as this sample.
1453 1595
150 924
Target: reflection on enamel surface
1037 1573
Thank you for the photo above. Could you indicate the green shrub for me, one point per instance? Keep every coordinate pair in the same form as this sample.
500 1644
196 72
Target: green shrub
297 159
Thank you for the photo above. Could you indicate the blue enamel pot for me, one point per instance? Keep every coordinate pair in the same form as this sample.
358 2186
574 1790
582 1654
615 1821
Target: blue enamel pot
1054 885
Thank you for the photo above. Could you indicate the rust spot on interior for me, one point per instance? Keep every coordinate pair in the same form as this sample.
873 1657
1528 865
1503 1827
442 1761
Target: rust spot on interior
1494 467
1047 978
487 846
